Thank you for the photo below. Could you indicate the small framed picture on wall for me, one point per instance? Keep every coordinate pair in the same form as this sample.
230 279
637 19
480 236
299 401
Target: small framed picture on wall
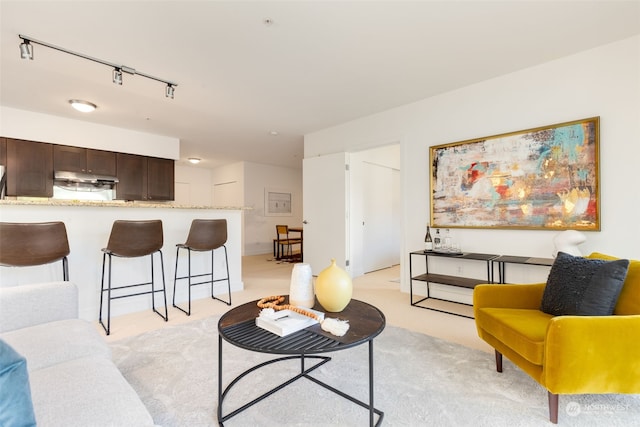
277 202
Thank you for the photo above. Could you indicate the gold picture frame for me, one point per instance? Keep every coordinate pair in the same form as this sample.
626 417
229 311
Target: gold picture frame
541 178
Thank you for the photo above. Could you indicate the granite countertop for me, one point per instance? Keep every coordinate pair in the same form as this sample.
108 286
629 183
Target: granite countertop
110 204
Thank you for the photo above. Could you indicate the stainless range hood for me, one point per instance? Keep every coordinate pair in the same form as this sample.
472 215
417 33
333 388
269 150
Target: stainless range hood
86 181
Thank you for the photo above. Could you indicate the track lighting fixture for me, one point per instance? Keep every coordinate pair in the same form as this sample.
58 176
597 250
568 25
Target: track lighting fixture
26 52
117 76
169 91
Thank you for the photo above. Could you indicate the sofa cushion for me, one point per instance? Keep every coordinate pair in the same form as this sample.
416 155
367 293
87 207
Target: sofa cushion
629 299
523 330
89 391
50 343
583 286
32 304
16 407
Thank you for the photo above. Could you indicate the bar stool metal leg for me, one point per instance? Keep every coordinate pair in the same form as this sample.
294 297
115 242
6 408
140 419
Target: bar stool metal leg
226 263
190 276
153 291
109 289
107 327
205 235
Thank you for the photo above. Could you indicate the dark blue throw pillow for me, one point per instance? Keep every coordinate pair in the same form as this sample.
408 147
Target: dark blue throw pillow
16 408
583 286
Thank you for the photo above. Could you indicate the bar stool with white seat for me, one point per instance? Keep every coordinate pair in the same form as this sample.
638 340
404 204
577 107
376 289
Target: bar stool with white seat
27 244
132 239
205 235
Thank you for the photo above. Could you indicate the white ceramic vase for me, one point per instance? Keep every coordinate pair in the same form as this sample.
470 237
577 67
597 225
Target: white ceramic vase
301 289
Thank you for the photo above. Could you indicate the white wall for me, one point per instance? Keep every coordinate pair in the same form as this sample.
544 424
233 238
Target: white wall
260 229
601 82
193 186
247 182
228 185
21 124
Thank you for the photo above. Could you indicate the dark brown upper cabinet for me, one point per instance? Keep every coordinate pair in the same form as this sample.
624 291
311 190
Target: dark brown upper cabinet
3 152
131 171
160 179
144 178
29 168
76 159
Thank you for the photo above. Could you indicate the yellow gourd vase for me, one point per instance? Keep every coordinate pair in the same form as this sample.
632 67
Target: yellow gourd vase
334 288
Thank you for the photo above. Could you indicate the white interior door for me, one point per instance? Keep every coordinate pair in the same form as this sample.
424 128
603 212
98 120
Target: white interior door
324 209
379 224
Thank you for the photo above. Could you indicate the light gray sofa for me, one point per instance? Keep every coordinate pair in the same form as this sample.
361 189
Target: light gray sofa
72 378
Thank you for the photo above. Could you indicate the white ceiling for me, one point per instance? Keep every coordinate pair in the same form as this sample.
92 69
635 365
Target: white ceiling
319 64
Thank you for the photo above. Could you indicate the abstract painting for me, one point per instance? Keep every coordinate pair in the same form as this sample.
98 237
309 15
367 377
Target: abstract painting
542 178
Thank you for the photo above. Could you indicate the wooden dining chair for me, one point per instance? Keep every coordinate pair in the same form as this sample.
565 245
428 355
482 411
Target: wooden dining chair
285 243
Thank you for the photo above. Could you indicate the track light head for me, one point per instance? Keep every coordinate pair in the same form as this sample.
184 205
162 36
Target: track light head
169 91
26 50
117 76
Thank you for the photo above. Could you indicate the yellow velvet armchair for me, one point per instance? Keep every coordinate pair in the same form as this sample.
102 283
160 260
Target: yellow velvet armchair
565 354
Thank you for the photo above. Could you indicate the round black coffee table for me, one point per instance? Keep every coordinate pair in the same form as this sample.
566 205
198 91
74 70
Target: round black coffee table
238 328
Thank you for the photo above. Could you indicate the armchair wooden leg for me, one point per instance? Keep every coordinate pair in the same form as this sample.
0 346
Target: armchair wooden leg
553 408
498 361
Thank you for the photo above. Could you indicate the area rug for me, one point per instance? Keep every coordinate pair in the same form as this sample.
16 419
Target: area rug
419 381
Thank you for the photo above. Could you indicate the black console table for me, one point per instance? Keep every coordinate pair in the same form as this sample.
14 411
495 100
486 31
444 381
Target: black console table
464 282
509 259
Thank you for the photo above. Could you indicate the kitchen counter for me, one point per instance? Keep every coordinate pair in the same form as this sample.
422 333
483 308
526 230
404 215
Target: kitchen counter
113 203
89 225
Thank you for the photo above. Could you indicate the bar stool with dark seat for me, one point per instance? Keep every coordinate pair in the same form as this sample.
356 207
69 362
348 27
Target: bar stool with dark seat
133 239
205 235
37 243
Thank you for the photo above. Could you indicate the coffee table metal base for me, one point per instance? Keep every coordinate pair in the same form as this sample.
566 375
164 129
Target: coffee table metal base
304 373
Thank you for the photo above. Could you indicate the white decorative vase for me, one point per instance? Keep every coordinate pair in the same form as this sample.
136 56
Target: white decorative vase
334 288
568 241
301 289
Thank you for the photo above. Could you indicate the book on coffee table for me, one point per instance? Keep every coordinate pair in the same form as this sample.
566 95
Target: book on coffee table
285 322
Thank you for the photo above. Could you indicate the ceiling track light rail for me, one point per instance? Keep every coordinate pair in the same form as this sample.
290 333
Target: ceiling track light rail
26 52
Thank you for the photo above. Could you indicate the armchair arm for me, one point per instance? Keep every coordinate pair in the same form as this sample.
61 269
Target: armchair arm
592 354
508 296
30 305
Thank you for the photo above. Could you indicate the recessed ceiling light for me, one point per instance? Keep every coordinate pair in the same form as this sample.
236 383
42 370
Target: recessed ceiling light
194 160
273 132
83 106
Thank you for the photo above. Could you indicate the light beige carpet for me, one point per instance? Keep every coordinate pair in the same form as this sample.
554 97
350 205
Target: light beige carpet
419 381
